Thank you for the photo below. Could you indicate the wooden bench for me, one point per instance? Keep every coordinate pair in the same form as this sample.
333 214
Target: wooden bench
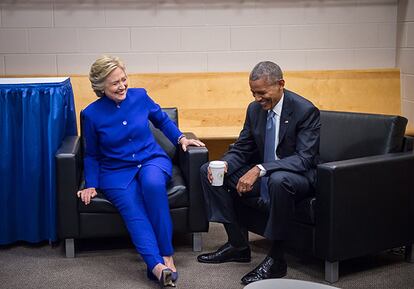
213 105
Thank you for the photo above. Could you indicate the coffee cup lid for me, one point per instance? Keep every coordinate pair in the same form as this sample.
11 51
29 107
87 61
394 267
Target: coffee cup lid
217 164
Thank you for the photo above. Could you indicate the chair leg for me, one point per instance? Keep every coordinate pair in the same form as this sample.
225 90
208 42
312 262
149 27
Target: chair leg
409 253
197 242
70 248
331 271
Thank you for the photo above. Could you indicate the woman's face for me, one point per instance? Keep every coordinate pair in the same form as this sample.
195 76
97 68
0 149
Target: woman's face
116 84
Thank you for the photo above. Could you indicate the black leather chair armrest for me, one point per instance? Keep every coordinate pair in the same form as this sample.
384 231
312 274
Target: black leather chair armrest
408 143
68 178
364 205
190 163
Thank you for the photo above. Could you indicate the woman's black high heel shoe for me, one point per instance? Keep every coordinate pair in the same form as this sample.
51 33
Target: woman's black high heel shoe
166 278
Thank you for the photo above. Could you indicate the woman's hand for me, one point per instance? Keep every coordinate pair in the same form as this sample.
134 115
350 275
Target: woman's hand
87 194
190 142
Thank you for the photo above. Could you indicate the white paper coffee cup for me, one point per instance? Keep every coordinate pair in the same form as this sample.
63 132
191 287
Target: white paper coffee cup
217 172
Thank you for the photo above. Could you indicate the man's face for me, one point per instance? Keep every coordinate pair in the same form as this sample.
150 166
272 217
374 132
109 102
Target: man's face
265 93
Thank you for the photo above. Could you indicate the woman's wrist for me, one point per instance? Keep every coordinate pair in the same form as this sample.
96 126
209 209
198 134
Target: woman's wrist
180 138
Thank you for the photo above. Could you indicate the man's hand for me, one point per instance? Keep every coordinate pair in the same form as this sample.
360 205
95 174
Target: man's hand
87 194
247 181
210 176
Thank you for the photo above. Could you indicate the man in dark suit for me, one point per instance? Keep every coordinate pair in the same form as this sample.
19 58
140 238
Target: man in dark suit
275 155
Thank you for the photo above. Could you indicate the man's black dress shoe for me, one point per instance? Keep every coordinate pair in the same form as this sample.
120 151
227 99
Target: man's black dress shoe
269 268
226 253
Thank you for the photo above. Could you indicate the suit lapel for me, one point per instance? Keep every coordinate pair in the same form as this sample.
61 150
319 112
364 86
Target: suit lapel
285 116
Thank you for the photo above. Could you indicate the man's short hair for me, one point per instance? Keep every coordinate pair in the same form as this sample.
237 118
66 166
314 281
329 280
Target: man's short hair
270 70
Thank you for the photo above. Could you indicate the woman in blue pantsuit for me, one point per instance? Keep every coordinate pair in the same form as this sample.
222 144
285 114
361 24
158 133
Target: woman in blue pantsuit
123 159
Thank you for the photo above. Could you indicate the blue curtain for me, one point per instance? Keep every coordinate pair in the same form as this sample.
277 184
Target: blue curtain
34 119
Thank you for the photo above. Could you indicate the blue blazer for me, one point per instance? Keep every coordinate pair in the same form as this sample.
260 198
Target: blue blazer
298 147
118 139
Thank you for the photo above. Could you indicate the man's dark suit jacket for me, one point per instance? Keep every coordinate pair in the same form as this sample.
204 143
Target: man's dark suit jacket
298 147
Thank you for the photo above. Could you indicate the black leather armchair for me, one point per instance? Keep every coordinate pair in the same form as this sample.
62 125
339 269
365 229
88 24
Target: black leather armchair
364 199
101 219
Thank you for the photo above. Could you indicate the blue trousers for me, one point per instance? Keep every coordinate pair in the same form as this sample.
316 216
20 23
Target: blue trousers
143 206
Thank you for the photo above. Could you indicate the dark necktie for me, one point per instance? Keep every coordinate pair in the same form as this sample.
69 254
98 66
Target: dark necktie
269 151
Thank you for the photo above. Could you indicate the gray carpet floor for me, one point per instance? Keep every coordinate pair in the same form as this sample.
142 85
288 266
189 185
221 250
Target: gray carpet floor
108 263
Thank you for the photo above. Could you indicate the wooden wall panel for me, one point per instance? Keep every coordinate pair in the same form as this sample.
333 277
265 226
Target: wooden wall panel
213 105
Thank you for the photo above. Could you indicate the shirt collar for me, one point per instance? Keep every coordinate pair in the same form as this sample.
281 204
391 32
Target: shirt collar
112 102
278 107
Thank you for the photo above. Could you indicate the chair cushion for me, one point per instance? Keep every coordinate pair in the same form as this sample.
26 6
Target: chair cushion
161 139
176 190
346 135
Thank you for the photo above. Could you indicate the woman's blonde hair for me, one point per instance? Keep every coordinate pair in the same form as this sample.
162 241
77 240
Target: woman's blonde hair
100 69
